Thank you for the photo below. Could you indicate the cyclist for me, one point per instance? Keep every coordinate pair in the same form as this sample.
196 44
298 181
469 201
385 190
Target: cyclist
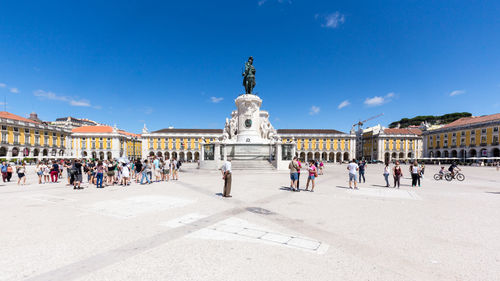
452 169
441 172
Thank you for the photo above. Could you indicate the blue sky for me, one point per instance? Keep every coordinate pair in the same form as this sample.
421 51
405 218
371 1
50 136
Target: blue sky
320 64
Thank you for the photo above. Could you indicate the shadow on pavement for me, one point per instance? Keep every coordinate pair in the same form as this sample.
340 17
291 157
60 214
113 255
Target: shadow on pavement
493 192
346 187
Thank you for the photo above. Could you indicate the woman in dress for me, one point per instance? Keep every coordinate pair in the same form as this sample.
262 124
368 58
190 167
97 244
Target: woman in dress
397 173
313 172
21 174
39 172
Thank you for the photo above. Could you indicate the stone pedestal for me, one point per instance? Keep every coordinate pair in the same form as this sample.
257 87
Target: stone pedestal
249 122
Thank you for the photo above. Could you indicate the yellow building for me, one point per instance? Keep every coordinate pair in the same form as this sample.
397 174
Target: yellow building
469 137
105 142
383 144
25 138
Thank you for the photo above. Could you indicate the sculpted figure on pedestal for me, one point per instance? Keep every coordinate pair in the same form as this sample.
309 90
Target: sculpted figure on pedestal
249 76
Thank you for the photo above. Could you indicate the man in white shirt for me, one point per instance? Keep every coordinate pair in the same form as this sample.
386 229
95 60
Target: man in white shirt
353 169
226 176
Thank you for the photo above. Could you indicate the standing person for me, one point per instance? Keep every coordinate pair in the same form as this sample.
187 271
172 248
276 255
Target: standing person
3 168
226 176
99 170
397 173
313 172
415 172
21 174
386 174
138 170
54 172
77 174
39 172
46 173
9 172
146 172
125 174
362 167
353 168
293 166
156 169
111 173
175 169
321 167
298 173
422 170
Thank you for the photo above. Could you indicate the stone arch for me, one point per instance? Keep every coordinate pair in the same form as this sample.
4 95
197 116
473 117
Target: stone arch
401 155
3 151
346 156
331 156
394 155
26 152
109 155
167 155
196 156
387 157
324 156
472 153
446 154
84 154
302 156
189 156
15 152
438 154
495 152
483 152
61 152
454 153
174 155
339 157
101 155
53 152
309 156
36 152
94 155
431 154
316 156
410 156
461 154
151 154
182 156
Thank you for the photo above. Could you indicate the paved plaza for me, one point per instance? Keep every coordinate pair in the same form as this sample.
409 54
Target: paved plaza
184 230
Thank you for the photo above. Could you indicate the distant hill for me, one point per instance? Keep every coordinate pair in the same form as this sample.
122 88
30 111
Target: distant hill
433 120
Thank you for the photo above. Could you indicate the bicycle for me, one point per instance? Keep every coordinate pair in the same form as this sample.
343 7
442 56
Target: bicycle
438 177
458 176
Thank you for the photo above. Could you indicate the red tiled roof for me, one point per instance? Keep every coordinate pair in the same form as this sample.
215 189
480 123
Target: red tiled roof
403 131
101 129
472 120
8 115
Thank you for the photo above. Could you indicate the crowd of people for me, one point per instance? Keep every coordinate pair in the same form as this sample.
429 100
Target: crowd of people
314 169
96 172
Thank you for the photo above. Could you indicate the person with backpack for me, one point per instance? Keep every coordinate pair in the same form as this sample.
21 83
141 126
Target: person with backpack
9 172
76 174
293 167
397 173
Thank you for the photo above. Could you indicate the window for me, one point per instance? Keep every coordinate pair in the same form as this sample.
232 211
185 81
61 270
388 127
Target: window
454 134
472 132
45 133
108 143
463 133
483 131
473 140
53 134
16 129
4 128
37 132
495 129
84 143
27 131
46 140
37 140
16 138
4 137
483 139
26 139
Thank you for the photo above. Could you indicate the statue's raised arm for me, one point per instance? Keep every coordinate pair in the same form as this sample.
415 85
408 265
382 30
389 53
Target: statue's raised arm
249 76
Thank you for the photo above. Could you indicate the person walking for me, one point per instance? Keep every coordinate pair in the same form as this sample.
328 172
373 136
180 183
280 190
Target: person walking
397 174
9 172
3 168
227 177
299 164
313 172
125 174
146 171
54 172
362 167
138 170
386 174
77 174
353 168
99 174
293 166
46 173
156 169
39 172
415 173
321 167
21 174
175 169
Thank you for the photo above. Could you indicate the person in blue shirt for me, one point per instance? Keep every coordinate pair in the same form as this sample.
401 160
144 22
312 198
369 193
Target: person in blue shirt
362 167
3 169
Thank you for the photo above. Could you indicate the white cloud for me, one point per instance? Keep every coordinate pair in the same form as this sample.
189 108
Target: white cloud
457 92
215 99
2 85
314 110
148 110
14 90
52 96
332 20
262 2
378 100
343 104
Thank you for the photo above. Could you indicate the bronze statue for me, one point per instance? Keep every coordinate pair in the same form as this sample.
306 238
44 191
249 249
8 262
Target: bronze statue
249 76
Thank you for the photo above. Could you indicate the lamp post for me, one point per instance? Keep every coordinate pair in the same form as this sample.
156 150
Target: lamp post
133 144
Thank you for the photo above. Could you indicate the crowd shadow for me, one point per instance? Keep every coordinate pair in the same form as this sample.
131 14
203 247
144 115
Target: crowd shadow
493 192
345 187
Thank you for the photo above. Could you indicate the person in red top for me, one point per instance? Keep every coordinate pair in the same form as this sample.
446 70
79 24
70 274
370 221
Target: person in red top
313 172
298 174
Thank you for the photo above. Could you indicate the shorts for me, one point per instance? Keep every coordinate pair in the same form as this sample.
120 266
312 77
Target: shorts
352 177
78 177
294 176
39 173
311 177
157 172
111 174
20 175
